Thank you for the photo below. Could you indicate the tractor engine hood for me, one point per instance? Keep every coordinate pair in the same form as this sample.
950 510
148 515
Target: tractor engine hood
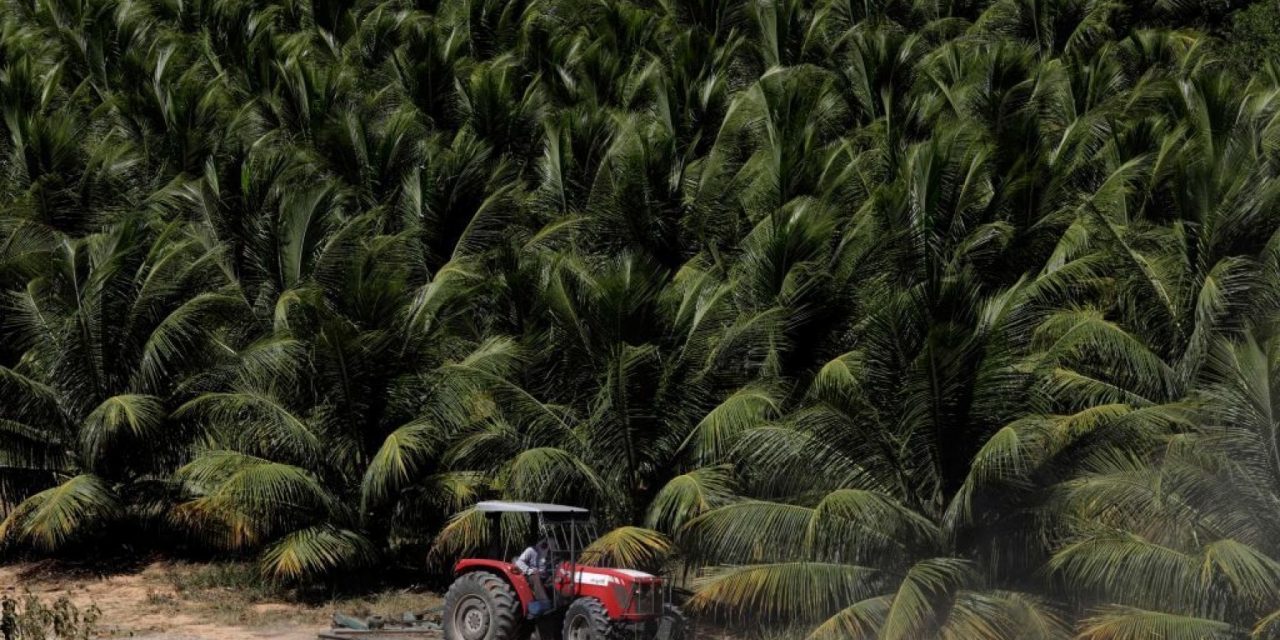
605 577
626 594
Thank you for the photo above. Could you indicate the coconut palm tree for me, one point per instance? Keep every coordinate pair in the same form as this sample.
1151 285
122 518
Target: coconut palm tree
891 319
114 324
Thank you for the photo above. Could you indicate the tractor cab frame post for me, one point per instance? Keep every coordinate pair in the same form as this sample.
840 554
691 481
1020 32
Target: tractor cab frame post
567 534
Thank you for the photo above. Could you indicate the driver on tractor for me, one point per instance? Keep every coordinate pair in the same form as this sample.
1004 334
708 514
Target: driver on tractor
545 590
532 562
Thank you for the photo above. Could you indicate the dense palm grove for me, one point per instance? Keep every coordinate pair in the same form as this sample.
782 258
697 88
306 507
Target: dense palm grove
874 319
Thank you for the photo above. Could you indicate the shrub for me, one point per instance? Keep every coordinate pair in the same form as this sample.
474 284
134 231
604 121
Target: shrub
30 618
1253 36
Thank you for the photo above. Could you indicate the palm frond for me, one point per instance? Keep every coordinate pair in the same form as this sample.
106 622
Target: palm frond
862 619
748 532
790 591
400 459
923 597
690 495
549 472
52 518
272 429
633 547
123 419
316 552
239 500
1127 623
715 434
1129 570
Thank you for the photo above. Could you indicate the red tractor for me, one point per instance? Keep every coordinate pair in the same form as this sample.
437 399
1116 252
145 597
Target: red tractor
493 599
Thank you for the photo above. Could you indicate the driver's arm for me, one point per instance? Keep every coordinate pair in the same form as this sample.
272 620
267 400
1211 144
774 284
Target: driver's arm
526 560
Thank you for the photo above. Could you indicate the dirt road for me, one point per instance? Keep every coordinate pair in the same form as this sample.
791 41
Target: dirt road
179 601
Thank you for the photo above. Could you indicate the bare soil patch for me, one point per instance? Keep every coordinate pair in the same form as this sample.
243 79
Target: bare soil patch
187 601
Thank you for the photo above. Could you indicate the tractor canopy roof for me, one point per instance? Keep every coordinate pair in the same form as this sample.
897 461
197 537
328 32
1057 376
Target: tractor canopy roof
503 506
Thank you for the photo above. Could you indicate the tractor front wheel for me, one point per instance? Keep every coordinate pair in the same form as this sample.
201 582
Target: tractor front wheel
587 619
672 625
480 606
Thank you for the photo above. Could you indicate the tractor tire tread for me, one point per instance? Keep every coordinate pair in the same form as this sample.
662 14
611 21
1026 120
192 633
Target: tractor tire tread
602 628
680 623
501 598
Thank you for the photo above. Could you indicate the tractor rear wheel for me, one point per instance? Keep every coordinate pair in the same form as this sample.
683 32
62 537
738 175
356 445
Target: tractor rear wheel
587 619
480 606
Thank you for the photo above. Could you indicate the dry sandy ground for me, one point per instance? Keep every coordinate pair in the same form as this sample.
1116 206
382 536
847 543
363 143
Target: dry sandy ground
178 601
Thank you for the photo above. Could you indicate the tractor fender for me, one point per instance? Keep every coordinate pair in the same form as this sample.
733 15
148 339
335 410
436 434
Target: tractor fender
505 570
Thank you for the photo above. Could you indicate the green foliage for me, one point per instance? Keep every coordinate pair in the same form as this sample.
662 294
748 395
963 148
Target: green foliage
888 320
